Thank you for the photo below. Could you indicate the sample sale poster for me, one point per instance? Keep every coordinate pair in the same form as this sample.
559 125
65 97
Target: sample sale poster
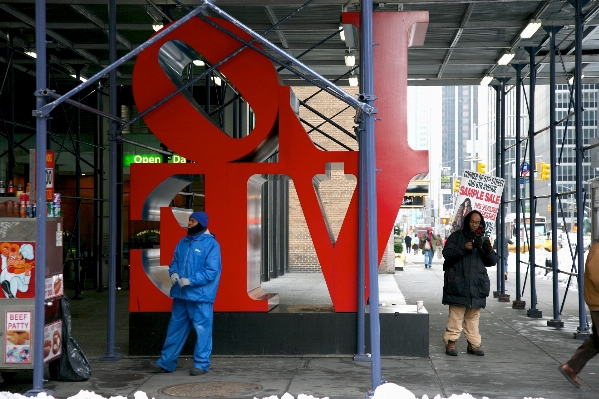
18 337
478 192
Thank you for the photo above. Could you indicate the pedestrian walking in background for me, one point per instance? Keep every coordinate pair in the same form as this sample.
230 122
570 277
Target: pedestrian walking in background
195 274
589 347
506 252
439 249
408 241
428 244
466 287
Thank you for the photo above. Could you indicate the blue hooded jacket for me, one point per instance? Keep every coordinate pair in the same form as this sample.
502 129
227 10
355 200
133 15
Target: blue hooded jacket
197 257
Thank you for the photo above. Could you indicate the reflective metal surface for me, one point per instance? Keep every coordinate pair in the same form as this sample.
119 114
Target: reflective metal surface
163 194
254 230
174 57
156 272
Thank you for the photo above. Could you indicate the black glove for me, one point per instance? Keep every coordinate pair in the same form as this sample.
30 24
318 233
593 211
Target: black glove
477 242
486 246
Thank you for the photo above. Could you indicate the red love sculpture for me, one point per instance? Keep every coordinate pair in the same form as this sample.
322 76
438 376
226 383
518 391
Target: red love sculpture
229 163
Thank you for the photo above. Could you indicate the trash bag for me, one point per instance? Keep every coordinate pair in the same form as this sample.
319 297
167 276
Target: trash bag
72 365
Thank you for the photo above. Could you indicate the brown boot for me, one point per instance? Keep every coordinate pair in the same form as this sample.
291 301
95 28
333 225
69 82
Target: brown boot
474 350
450 349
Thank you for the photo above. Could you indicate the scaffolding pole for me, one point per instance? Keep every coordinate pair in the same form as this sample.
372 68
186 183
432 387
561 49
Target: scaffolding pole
111 355
41 143
361 355
368 97
518 303
501 231
583 329
533 311
552 31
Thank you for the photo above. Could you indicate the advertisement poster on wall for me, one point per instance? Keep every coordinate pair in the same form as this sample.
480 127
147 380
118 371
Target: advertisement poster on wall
478 192
17 274
18 337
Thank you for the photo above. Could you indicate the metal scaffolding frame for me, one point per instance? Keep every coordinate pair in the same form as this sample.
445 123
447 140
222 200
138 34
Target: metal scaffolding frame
555 196
365 115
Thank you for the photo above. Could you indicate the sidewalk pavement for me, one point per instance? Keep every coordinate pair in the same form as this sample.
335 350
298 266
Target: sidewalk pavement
521 355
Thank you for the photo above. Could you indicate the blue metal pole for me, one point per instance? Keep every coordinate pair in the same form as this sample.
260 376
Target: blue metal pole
533 311
361 355
501 230
583 328
555 322
498 110
112 196
40 197
370 154
518 303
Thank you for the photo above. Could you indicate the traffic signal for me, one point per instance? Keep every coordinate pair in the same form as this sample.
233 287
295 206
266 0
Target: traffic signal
545 171
482 168
549 208
456 185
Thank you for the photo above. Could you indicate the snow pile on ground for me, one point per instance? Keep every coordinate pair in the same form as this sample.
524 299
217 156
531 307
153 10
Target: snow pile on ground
385 391
564 260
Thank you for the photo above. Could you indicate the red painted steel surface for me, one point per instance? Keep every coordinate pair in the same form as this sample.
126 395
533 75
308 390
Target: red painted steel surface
184 130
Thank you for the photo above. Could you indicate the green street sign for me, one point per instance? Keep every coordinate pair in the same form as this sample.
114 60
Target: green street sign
128 159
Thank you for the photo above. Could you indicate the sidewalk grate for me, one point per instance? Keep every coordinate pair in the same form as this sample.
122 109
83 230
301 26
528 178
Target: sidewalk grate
212 389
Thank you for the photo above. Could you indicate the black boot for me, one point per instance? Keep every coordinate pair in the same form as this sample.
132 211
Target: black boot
474 350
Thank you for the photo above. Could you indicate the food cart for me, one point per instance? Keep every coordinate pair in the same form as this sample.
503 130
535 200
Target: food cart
17 290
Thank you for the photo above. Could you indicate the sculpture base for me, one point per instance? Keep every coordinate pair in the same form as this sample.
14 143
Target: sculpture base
291 330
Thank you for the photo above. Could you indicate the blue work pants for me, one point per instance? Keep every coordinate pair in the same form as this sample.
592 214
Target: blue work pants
186 314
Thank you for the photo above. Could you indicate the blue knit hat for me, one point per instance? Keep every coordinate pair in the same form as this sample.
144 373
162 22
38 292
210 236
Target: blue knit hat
201 217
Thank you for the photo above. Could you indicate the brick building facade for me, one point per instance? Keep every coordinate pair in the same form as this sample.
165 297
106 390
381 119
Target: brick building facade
336 189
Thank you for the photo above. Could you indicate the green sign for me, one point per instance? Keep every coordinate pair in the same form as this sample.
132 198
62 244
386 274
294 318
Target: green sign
176 159
128 159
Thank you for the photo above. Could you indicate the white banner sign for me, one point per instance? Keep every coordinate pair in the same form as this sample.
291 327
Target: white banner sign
481 193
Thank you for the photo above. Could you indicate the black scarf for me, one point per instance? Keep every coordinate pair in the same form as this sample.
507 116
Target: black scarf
198 228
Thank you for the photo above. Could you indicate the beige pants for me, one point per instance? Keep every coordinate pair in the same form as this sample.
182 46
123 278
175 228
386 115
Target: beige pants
462 316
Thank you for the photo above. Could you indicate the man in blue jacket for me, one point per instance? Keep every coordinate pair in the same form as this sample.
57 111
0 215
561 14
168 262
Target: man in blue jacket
195 274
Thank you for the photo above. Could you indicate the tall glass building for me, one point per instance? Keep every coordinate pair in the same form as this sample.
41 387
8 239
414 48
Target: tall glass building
565 149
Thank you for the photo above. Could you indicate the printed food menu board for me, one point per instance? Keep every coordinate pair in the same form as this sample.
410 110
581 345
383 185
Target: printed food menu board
18 337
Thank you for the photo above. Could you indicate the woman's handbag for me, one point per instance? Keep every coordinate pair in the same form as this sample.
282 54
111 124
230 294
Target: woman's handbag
427 245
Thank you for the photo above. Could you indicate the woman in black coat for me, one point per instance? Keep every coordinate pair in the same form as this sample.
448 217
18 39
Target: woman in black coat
467 254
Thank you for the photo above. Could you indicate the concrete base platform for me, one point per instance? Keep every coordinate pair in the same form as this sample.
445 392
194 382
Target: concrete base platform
291 330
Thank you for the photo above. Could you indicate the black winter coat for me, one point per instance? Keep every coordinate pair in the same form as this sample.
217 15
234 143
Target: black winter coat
466 281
